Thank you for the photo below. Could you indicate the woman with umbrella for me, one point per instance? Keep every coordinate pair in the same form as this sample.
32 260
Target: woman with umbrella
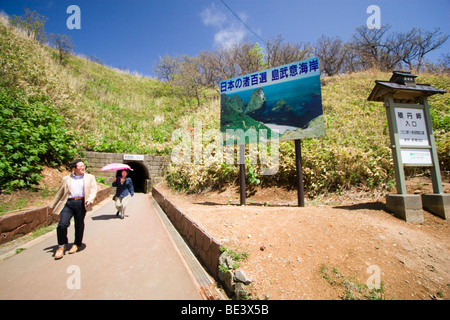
125 189
124 186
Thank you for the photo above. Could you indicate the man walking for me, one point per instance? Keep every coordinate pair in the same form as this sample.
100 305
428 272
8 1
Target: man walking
75 196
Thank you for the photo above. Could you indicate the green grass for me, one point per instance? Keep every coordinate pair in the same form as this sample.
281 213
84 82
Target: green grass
354 153
352 289
235 255
108 109
11 206
26 198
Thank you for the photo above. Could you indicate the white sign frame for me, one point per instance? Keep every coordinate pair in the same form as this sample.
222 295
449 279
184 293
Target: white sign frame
412 128
416 157
133 157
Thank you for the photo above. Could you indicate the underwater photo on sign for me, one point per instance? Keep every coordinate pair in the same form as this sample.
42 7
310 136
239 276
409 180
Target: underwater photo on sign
283 103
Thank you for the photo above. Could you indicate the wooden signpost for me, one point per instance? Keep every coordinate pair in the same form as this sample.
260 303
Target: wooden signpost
412 144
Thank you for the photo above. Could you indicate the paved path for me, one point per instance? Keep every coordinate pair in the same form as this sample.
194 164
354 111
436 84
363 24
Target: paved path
134 258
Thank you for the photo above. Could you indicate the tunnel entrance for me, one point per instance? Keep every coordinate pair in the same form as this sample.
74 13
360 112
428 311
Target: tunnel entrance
139 176
146 168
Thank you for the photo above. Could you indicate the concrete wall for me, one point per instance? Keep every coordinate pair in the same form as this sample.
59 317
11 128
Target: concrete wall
145 172
203 244
18 224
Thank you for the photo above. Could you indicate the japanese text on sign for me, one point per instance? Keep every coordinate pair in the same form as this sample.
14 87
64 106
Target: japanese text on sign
416 157
280 74
412 130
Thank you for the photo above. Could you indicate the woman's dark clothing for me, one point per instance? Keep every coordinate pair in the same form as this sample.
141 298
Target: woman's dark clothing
124 189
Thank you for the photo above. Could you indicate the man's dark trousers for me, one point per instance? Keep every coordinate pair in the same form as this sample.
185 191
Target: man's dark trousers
76 209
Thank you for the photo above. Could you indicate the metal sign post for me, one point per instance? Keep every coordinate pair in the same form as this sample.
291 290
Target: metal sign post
242 173
298 162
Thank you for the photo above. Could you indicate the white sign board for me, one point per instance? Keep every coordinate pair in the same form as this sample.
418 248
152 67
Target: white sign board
416 157
135 157
412 130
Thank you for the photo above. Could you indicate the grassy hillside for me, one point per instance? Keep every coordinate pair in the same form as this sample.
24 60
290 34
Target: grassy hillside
109 110
354 153
123 112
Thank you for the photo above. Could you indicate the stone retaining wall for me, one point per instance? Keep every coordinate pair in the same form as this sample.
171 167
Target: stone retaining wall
204 245
18 224
151 167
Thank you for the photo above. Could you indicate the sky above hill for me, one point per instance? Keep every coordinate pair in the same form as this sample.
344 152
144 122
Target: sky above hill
134 34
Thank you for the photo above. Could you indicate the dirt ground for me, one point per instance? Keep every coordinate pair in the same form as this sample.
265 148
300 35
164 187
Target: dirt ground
329 249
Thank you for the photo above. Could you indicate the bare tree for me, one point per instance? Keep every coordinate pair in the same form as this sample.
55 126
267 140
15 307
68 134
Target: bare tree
184 76
212 69
419 44
368 48
280 53
373 48
442 66
225 63
167 68
248 57
376 48
242 58
190 80
63 44
352 62
331 53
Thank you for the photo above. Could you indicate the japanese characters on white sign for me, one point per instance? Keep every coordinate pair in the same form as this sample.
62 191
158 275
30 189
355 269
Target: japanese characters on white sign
135 157
412 130
416 157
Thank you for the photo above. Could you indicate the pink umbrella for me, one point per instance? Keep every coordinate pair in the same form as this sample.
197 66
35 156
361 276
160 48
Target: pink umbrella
115 167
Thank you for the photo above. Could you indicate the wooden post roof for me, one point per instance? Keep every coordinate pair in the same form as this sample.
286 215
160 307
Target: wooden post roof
403 88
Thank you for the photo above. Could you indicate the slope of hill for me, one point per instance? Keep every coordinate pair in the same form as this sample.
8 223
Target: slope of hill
107 109
110 110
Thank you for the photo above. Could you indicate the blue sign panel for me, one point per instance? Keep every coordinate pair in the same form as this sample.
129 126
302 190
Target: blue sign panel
286 101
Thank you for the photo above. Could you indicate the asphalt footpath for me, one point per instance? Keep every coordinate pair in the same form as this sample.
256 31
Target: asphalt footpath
133 258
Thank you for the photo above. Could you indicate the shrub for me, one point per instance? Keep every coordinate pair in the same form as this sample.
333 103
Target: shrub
32 134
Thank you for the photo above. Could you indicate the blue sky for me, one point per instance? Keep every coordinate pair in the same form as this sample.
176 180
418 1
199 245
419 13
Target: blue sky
133 34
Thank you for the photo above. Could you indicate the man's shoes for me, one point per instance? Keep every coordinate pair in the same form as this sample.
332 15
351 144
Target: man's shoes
59 253
73 249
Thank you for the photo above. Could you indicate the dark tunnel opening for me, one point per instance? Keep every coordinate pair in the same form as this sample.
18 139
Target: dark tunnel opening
139 176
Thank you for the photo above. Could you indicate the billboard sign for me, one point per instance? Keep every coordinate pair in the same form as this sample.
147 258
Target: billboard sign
282 103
